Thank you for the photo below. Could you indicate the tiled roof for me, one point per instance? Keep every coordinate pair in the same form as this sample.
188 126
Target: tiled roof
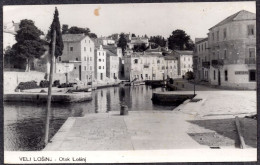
239 16
199 40
184 52
170 58
73 37
109 53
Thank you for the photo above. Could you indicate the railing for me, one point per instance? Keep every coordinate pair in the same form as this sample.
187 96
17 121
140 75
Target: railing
217 63
250 61
206 64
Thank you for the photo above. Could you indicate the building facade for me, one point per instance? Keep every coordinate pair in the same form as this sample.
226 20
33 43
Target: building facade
232 49
79 50
149 66
112 65
100 63
202 58
185 61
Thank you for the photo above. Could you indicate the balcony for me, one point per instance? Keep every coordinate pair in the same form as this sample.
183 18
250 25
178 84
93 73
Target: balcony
250 61
206 64
217 63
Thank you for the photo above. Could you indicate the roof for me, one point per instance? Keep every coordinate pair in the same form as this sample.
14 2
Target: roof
73 37
239 16
109 53
181 52
170 58
200 40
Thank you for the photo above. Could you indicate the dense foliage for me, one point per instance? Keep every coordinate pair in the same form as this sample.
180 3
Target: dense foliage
179 40
29 45
122 42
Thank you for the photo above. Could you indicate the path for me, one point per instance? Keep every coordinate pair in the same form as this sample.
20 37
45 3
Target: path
137 131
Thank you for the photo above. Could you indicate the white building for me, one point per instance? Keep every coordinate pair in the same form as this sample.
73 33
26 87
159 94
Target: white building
100 64
185 61
79 50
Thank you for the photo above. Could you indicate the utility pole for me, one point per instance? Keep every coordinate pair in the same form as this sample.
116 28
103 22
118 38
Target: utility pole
46 140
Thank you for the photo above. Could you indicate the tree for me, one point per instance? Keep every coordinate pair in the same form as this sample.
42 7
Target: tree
122 42
179 40
140 48
29 45
158 40
59 42
92 35
65 29
133 35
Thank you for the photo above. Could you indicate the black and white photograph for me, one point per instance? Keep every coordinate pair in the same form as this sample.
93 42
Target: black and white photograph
130 82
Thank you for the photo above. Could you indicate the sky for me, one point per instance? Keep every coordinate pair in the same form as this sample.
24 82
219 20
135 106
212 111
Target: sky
142 18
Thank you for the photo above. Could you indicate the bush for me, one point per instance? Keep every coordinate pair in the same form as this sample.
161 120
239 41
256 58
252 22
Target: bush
189 75
56 83
27 85
44 84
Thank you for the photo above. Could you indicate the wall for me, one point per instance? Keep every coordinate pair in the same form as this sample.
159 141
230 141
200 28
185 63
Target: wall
239 81
12 79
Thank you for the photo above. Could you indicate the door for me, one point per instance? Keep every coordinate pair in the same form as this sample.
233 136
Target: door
80 72
219 80
101 76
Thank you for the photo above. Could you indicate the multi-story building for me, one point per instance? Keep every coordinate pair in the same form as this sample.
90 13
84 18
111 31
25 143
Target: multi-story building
201 56
137 41
150 66
79 50
100 64
112 65
185 61
105 41
232 49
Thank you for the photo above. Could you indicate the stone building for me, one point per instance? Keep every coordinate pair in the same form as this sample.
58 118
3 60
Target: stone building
100 63
185 61
232 49
201 59
149 66
78 50
112 65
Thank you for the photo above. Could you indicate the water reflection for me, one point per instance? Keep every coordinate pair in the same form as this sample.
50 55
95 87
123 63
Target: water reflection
24 122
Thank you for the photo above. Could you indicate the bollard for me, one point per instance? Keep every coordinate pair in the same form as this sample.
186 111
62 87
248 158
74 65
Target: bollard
124 110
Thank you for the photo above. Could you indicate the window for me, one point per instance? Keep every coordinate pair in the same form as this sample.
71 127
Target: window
75 67
146 75
225 33
88 59
158 61
103 53
251 30
214 75
252 75
99 60
60 58
85 68
136 61
225 54
77 59
84 48
226 75
71 49
103 60
217 35
85 59
99 53
99 67
90 49
184 66
103 67
251 52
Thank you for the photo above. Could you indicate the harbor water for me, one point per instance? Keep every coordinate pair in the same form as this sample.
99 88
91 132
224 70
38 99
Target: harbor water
24 122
